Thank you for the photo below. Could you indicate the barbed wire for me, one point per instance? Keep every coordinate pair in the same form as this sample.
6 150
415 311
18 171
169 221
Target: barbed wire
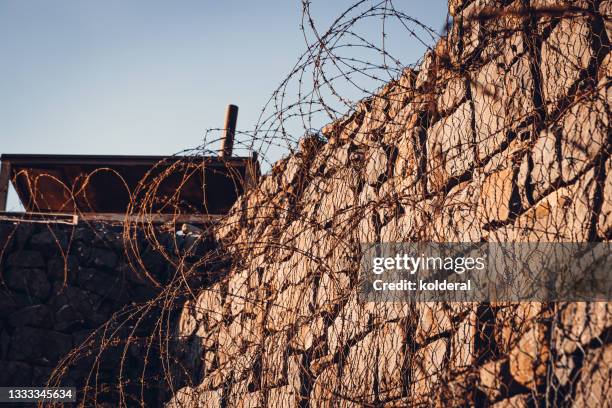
500 133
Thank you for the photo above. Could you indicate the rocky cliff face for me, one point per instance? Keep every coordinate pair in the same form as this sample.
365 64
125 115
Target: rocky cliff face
501 135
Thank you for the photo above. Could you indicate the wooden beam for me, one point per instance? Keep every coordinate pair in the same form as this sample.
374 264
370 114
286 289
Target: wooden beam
251 172
5 179
39 218
151 218
117 218
29 160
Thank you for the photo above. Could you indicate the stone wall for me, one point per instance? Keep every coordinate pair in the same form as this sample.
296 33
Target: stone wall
69 301
501 135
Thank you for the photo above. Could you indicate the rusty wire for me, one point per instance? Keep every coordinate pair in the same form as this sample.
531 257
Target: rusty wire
500 133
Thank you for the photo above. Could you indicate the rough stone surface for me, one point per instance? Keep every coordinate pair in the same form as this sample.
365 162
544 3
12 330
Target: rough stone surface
56 298
515 148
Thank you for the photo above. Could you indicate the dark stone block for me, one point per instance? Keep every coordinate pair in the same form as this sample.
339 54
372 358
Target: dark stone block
5 341
69 326
6 236
154 261
58 296
100 282
16 278
104 258
81 301
32 281
38 285
166 240
95 320
107 307
23 232
84 234
8 304
57 266
108 237
90 278
41 375
80 336
66 313
111 357
142 293
82 251
34 316
39 346
22 300
15 373
46 239
26 259
126 271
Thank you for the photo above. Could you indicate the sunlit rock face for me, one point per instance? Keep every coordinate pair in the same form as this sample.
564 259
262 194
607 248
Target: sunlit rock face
502 136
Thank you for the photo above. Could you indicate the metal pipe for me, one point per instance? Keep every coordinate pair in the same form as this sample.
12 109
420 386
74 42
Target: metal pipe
227 144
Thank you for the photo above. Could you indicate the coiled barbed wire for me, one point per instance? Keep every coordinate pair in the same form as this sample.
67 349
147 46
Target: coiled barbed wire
375 148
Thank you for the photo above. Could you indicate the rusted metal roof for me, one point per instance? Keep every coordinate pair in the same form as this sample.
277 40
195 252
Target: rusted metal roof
107 184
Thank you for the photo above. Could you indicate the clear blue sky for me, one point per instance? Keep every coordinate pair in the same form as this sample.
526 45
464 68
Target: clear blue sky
147 76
